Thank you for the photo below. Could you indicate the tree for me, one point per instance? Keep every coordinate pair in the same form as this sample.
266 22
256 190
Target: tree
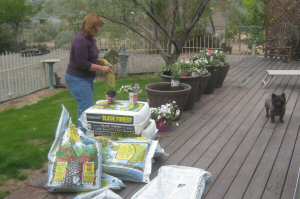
13 13
246 16
165 24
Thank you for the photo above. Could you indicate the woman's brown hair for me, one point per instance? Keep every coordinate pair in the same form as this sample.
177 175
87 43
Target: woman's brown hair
90 24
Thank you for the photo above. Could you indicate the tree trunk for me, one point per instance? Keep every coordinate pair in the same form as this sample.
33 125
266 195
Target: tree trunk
171 58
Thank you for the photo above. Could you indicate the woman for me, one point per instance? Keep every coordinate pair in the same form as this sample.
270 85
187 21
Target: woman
83 65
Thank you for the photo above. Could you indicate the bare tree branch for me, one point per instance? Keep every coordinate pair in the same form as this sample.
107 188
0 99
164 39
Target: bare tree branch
128 26
199 12
155 42
155 21
212 23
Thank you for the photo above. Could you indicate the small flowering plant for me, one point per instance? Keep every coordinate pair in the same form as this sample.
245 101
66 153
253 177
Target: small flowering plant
135 88
166 113
210 57
183 69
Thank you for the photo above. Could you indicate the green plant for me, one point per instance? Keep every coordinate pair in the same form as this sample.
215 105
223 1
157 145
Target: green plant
176 70
3 194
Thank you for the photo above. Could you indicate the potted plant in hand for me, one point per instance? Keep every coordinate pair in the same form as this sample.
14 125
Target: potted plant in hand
133 92
165 115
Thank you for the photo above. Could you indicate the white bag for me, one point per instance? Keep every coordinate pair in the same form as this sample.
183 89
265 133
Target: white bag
175 182
150 131
99 194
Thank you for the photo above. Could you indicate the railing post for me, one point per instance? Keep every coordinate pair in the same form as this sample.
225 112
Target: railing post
123 54
50 63
253 48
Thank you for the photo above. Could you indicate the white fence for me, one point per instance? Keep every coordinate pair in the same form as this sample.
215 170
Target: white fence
20 75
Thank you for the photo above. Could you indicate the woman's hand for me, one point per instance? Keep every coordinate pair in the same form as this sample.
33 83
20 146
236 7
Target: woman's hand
104 69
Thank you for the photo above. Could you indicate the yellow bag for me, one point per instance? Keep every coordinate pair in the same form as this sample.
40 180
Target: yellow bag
110 77
104 62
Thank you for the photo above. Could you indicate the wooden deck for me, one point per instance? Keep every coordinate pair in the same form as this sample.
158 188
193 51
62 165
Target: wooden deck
228 135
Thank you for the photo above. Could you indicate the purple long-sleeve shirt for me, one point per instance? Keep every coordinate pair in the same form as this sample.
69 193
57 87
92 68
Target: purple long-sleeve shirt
84 53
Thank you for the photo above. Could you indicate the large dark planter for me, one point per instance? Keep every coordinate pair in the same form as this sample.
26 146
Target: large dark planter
222 75
203 84
162 93
194 82
211 84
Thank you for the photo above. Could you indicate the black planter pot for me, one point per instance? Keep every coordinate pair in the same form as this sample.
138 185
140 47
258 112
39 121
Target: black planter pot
222 75
162 93
194 82
203 84
212 80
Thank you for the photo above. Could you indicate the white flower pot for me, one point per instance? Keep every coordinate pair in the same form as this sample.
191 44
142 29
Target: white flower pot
133 98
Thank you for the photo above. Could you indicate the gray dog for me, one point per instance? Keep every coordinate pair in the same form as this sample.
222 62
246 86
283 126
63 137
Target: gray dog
275 106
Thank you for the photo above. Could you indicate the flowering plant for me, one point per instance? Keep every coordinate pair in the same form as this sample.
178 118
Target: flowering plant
180 69
209 57
167 112
135 88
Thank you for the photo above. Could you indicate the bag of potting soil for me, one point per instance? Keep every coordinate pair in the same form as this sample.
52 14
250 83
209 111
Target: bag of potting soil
111 182
129 159
74 159
176 182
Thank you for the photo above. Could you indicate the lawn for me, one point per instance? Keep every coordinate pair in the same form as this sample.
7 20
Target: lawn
27 133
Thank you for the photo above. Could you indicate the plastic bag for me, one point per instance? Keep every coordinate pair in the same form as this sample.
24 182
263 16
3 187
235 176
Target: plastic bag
99 194
74 159
160 152
150 131
129 159
176 182
112 182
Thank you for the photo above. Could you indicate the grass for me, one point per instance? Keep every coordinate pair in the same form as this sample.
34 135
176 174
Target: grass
26 134
3 194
